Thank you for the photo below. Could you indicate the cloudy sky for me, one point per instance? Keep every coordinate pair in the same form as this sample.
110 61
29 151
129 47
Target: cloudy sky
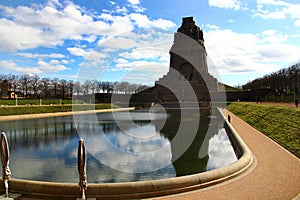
129 40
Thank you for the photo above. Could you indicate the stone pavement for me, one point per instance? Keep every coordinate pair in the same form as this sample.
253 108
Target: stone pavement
276 174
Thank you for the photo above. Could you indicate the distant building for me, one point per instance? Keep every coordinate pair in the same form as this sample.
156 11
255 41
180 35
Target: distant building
5 87
15 95
7 93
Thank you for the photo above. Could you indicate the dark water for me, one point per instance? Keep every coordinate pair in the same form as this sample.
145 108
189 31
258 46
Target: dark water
121 147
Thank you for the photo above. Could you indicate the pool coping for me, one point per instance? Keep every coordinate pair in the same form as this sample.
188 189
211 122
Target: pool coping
61 114
142 189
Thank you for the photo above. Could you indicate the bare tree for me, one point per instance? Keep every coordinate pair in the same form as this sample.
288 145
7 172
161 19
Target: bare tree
77 88
284 80
93 86
35 85
3 79
45 87
70 87
55 87
63 88
15 82
24 84
86 87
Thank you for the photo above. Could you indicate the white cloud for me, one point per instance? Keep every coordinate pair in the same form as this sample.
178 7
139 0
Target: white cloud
143 38
14 36
267 14
77 51
25 27
122 9
233 52
235 4
269 32
88 54
54 62
211 26
31 28
96 56
134 2
277 9
145 53
121 61
297 23
132 51
126 23
272 36
140 65
146 76
135 5
119 24
142 71
8 64
35 55
67 61
144 65
144 22
53 66
120 43
43 67
112 2
273 2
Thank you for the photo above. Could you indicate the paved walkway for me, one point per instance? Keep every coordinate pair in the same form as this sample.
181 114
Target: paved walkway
275 176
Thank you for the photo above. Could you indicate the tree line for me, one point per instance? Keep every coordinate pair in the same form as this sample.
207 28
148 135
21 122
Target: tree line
32 86
284 81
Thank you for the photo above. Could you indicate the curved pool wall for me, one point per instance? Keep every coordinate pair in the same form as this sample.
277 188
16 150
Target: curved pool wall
143 189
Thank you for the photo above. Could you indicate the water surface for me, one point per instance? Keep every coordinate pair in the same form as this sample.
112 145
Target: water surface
142 147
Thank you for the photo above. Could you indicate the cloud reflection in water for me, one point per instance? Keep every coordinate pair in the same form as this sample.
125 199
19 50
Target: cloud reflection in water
46 150
221 152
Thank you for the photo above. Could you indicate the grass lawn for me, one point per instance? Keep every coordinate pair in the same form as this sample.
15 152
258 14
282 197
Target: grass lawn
12 102
282 124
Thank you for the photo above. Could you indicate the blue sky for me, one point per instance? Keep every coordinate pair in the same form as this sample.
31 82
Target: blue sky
129 40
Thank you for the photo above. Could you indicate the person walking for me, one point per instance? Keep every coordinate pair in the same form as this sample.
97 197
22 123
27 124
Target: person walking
296 103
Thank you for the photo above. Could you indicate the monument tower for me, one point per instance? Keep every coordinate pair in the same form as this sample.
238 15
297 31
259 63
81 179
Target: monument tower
188 79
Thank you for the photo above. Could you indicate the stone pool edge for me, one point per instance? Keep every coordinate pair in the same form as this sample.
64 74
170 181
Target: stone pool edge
61 114
143 189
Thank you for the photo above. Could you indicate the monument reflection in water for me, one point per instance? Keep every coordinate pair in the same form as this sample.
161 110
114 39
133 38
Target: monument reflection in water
46 149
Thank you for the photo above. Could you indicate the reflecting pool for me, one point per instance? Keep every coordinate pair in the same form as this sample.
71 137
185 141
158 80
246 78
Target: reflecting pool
121 147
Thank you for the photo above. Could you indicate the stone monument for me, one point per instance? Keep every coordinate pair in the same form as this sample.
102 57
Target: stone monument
188 79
